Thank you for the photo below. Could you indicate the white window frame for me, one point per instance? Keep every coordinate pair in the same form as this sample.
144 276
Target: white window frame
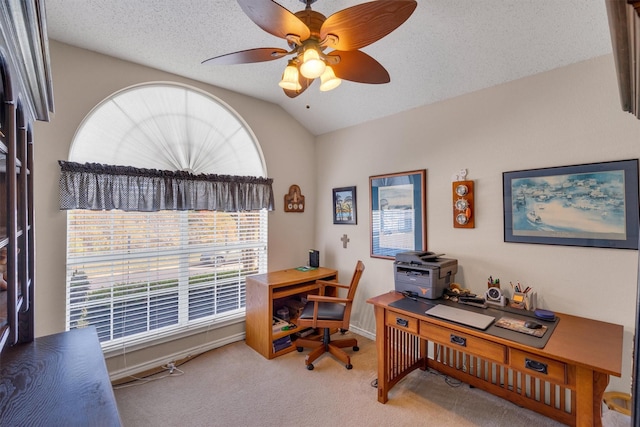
219 266
186 254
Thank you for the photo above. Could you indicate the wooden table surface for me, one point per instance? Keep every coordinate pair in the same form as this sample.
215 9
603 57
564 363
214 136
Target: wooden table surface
292 276
57 380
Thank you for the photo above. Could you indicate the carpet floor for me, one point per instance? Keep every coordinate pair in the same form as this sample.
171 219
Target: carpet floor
235 386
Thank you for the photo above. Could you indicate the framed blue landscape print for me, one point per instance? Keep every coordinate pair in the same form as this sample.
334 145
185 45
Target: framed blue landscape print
592 204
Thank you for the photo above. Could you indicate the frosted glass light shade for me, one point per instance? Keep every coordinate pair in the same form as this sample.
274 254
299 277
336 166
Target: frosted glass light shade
329 80
290 79
312 66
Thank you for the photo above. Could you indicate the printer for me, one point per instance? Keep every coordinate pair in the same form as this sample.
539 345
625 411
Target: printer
423 274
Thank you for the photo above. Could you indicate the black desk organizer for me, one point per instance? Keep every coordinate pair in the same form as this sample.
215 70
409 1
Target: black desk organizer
420 305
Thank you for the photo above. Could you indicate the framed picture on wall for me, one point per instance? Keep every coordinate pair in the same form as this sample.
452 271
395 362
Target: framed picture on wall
398 213
592 204
344 205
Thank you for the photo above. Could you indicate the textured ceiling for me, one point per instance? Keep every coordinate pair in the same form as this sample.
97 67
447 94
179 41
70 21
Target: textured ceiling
447 48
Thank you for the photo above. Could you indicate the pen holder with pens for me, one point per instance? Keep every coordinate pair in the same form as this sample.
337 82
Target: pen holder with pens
523 300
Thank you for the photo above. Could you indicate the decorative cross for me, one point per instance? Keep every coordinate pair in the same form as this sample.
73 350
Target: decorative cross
345 240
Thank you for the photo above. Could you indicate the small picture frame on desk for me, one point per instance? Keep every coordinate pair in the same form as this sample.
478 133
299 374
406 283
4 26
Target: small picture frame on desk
523 300
517 300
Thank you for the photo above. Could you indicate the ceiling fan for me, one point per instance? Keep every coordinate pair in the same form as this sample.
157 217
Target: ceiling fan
309 33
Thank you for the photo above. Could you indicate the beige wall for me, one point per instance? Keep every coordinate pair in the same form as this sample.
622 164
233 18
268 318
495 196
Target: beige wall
566 116
563 117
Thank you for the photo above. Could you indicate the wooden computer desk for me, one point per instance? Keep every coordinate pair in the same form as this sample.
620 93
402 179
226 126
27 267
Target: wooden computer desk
269 291
565 380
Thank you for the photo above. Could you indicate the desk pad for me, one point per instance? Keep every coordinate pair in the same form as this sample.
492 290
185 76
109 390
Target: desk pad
420 305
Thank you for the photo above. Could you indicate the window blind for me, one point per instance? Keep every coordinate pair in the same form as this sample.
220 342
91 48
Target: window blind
138 276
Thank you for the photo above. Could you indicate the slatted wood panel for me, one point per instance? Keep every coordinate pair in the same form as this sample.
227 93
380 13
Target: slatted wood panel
547 397
406 351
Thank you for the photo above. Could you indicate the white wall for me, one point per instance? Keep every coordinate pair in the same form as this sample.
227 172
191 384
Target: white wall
563 117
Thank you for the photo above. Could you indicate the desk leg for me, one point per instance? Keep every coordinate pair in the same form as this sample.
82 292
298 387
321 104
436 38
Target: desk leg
589 391
383 359
399 353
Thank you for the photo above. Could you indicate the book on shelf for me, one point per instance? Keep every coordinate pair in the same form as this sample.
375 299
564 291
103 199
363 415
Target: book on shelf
282 343
305 332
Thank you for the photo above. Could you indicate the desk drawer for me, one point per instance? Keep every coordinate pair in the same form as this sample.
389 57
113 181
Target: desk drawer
400 321
463 342
543 367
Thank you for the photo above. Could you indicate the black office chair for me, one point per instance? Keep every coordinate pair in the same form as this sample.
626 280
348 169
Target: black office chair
327 312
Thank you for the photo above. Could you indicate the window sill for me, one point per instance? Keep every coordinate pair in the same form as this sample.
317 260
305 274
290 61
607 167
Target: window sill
118 349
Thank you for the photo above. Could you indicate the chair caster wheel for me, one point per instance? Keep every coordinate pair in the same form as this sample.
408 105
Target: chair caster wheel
299 349
356 348
310 367
349 366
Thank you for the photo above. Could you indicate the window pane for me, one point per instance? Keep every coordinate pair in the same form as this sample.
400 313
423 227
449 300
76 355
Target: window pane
135 274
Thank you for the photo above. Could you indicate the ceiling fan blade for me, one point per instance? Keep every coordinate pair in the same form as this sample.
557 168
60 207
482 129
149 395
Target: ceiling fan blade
357 66
274 19
247 56
304 82
363 24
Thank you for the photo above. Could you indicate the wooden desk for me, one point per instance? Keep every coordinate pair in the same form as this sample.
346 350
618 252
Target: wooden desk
577 360
268 292
57 380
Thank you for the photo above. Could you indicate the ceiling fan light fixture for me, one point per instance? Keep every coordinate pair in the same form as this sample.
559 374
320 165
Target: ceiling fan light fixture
290 80
329 80
312 65
309 34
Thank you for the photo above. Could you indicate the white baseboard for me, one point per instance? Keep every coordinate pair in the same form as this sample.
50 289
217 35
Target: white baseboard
194 351
362 332
180 355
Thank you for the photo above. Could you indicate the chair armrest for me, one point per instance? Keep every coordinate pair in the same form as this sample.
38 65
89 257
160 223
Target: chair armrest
326 283
324 298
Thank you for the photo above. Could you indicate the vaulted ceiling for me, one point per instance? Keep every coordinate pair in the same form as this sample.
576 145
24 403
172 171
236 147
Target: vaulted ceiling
446 48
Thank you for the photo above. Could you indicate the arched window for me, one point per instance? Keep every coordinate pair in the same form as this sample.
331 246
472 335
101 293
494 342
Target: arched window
155 248
168 127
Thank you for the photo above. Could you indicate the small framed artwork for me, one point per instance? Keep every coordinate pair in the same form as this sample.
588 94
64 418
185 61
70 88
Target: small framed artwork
398 213
592 204
344 205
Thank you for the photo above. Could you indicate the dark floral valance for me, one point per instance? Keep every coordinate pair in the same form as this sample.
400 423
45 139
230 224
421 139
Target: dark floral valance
96 187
